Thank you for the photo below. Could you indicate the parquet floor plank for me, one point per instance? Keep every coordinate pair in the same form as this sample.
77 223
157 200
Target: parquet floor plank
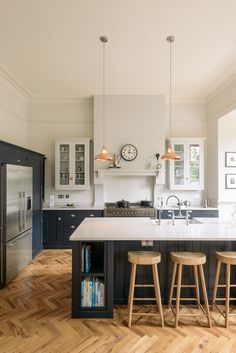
35 317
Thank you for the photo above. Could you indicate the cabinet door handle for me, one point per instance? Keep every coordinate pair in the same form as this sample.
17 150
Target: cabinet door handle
72 215
72 227
59 218
71 178
91 215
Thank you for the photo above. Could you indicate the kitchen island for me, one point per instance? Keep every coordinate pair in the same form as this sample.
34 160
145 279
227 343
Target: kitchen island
99 257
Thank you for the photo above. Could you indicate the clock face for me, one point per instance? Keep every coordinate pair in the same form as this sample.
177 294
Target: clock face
129 152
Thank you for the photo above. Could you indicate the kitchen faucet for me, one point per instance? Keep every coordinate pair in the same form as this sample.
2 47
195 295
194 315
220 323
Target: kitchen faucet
160 209
179 203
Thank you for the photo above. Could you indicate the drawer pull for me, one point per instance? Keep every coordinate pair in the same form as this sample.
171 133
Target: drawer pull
72 227
72 215
59 218
91 215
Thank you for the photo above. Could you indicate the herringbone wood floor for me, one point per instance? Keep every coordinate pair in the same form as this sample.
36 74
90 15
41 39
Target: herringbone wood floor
35 317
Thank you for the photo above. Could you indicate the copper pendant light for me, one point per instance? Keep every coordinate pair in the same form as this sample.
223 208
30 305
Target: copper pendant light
170 154
104 154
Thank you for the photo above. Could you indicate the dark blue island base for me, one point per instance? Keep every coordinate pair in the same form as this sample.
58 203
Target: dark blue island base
109 262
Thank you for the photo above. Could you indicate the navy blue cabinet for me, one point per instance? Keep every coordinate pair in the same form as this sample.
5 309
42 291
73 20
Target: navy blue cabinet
58 225
52 229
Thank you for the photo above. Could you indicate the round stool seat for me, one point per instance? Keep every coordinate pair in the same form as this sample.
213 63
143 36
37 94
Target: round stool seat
188 258
227 257
144 257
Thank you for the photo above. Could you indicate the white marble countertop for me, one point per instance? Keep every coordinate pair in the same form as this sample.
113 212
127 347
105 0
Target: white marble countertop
91 207
211 229
76 207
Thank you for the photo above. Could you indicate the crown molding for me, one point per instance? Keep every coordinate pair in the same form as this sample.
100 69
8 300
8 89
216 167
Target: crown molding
13 83
86 99
184 98
213 93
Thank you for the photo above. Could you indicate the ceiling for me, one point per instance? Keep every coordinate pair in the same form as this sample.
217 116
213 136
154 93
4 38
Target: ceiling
52 47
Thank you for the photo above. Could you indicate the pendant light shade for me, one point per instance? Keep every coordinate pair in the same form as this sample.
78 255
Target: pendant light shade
170 154
103 155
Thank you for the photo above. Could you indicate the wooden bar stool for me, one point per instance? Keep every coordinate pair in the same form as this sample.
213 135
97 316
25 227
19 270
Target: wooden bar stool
228 258
196 260
144 258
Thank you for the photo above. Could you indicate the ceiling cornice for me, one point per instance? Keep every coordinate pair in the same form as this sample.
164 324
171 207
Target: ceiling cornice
60 99
19 88
213 93
13 83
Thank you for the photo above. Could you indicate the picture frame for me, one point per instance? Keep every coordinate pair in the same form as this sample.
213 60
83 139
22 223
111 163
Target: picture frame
230 181
230 159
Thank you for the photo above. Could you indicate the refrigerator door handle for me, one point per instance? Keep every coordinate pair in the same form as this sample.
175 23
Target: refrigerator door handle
19 213
23 210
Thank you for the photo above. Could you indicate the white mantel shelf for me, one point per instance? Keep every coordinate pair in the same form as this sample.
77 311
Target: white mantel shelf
125 172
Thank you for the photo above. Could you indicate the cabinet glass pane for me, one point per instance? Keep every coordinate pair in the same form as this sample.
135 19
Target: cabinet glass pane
179 165
79 164
194 163
64 164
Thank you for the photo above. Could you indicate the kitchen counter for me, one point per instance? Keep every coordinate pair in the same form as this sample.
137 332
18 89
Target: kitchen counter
210 229
76 207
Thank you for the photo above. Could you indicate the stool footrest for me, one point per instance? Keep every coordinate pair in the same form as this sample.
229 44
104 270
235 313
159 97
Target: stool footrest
146 314
197 314
187 299
144 285
221 311
186 286
224 285
224 299
144 298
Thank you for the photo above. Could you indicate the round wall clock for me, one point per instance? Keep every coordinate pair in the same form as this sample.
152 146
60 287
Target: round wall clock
129 152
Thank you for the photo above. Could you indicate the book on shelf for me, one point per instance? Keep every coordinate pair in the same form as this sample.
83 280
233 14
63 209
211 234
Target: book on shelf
86 258
92 292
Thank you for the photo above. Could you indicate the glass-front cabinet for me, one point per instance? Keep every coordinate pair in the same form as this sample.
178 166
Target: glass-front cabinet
188 172
72 164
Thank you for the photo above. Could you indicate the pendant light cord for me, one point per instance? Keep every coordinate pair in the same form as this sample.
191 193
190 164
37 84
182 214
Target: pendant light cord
103 94
170 90
104 40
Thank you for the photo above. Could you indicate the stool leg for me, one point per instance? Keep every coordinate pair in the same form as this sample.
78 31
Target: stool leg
178 295
131 293
227 295
217 275
172 284
205 295
157 292
197 285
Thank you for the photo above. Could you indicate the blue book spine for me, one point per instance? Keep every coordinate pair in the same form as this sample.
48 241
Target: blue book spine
82 293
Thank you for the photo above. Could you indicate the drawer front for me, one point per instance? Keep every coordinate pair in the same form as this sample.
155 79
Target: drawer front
90 213
71 216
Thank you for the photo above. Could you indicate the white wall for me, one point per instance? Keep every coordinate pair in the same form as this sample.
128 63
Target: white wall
144 122
220 103
138 120
226 143
48 121
13 115
189 119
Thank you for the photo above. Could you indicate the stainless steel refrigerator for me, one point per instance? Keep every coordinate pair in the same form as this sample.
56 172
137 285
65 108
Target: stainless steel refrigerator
16 219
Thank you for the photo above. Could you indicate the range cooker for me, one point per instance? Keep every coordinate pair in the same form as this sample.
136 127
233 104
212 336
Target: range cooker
134 210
